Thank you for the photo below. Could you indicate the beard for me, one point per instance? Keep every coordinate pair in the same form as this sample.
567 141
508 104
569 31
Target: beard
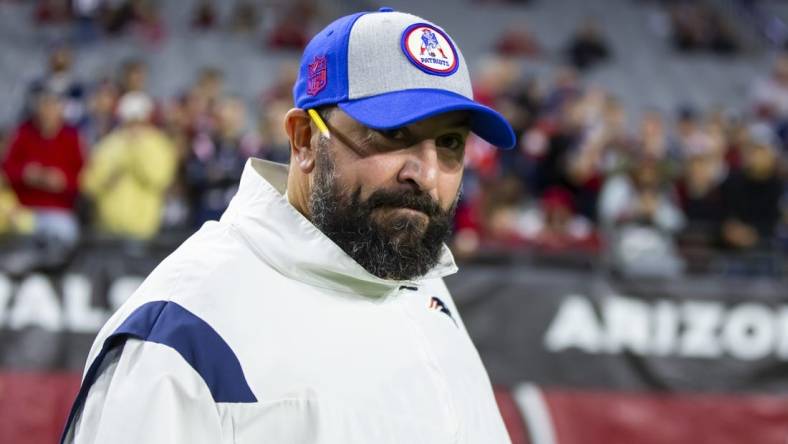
393 245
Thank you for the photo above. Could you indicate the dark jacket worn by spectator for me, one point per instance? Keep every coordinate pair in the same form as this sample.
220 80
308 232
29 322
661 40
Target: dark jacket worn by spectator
753 202
213 171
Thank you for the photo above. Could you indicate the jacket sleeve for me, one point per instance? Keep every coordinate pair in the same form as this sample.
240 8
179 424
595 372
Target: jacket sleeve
146 392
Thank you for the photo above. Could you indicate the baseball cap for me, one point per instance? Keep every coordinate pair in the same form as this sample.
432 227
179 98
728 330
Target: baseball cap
388 69
134 106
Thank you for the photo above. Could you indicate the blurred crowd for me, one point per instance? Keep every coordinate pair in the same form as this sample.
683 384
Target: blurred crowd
103 157
92 20
657 196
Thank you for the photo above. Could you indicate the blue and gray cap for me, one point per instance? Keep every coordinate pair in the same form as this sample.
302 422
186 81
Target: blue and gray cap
389 69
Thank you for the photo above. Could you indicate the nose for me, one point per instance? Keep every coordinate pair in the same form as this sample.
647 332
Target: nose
421 168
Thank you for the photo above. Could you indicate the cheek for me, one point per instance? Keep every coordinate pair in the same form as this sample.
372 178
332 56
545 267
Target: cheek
449 187
372 174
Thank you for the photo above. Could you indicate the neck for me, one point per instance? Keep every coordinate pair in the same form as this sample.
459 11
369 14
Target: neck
297 192
48 131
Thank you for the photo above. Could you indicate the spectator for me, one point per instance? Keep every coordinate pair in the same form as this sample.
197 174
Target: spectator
499 211
282 87
130 171
518 41
214 166
142 15
86 13
587 47
197 106
210 85
274 144
770 96
566 87
698 27
603 149
119 16
245 18
42 166
653 140
100 117
204 15
563 136
134 76
290 30
640 218
701 198
751 195
59 79
52 11
553 225
687 127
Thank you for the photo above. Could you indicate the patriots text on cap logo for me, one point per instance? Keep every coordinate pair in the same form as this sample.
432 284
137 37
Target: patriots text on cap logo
317 77
429 49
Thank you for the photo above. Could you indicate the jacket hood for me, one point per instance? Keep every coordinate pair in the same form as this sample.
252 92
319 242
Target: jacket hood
285 239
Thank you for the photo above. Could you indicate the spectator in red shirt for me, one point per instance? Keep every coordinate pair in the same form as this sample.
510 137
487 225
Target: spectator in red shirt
42 165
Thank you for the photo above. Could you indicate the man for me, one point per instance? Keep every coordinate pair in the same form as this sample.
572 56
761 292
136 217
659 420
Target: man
60 79
129 172
314 310
42 166
216 160
751 195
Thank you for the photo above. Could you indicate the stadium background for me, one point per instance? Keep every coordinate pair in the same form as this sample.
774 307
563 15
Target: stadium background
623 270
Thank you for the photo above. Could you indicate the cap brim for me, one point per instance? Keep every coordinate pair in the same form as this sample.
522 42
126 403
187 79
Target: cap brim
401 108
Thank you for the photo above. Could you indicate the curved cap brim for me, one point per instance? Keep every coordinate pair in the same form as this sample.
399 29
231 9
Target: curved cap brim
401 108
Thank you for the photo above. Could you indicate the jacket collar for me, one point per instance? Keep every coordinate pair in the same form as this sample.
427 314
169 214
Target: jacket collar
285 239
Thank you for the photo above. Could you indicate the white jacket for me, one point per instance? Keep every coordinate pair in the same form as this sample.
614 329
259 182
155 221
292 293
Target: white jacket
259 329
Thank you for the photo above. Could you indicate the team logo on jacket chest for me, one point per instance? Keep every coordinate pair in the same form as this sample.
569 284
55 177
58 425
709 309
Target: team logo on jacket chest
429 49
438 305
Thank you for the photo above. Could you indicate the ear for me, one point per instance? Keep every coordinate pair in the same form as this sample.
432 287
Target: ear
298 127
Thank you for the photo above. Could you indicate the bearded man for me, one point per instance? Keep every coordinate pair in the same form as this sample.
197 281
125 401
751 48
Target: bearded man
314 311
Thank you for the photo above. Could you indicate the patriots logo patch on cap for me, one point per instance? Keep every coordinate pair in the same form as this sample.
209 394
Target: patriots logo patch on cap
429 49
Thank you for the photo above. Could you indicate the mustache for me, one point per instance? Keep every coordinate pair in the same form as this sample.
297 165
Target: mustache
413 200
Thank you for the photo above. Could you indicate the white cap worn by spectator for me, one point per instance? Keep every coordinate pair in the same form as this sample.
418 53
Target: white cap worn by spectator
134 107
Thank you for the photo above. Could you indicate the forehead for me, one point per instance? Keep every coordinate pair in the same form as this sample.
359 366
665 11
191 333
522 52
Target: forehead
452 120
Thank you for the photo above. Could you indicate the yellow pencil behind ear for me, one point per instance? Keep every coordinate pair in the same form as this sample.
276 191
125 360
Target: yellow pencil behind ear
321 125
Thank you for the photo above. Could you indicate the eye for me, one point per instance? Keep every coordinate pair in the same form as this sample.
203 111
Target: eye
452 142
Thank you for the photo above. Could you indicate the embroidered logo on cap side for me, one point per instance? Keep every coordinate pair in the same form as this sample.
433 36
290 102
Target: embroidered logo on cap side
430 49
317 76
